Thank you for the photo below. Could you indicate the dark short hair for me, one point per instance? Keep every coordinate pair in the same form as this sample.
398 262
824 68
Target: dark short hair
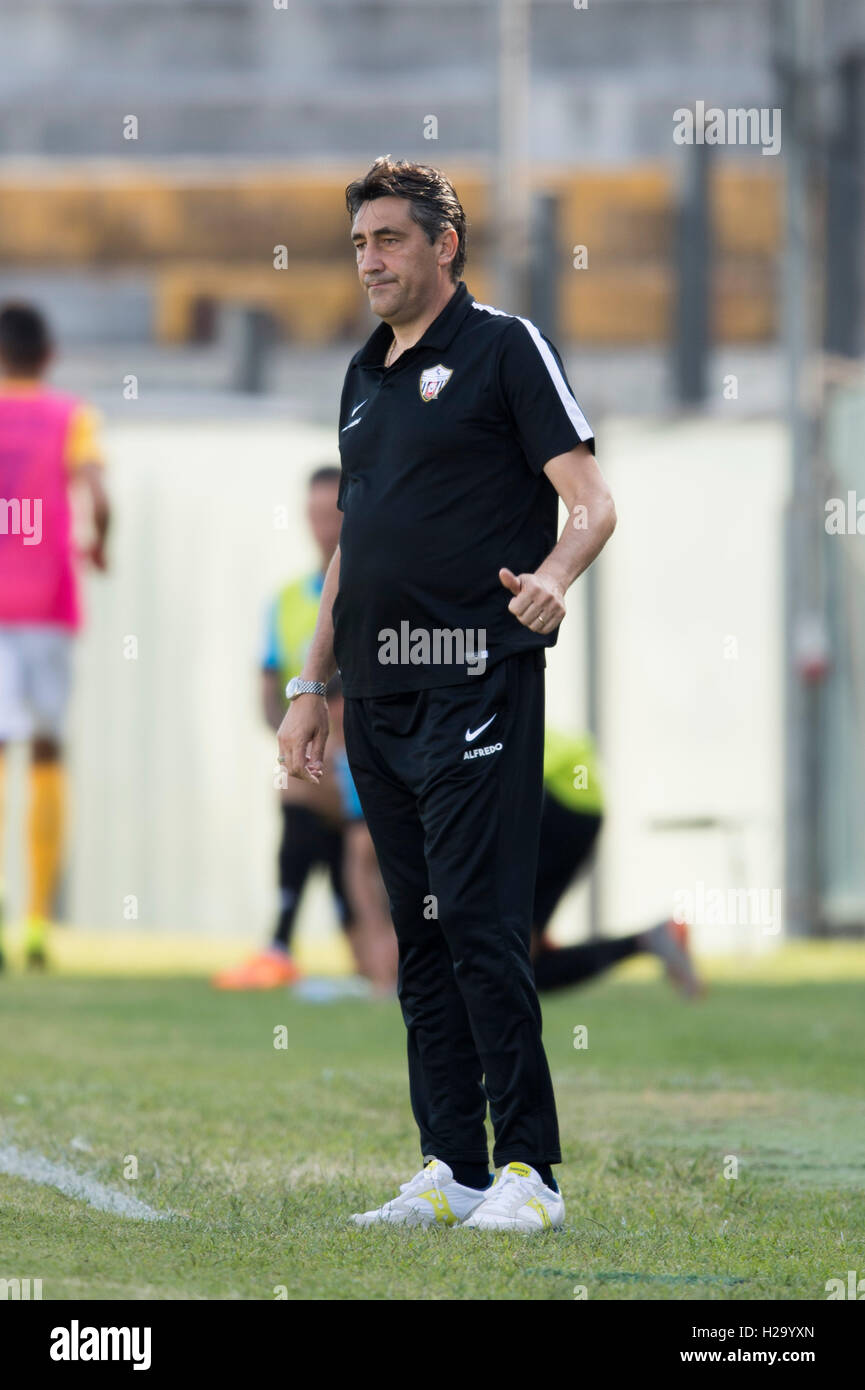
25 342
434 203
326 473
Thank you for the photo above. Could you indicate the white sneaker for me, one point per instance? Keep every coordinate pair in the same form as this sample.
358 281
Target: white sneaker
519 1201
430 1198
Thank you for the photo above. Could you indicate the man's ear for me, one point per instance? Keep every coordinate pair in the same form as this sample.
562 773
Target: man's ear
446 260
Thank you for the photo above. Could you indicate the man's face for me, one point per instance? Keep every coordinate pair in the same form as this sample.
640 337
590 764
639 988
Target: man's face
324 517
396 264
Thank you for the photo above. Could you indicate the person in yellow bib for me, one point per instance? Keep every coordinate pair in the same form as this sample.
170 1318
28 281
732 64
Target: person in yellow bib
322 827
311 818
571 820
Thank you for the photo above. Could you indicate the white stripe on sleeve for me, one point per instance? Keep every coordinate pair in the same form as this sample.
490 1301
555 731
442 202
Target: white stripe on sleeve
575 415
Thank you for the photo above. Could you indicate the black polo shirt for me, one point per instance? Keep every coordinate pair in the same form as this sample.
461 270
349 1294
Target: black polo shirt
442 484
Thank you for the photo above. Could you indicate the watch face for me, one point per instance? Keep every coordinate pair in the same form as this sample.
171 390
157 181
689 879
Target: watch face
298 686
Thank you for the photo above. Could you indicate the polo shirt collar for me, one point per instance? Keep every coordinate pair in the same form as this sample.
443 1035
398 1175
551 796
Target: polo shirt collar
439 335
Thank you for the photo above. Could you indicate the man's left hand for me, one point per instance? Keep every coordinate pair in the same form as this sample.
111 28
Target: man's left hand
538 602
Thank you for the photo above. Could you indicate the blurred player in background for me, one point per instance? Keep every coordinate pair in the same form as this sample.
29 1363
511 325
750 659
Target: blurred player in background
370 929
321 826
49 450
571 819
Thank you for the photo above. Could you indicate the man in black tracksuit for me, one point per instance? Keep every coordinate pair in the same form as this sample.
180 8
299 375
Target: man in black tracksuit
458 433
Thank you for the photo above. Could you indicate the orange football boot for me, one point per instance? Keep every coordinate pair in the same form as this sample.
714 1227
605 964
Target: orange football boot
267 970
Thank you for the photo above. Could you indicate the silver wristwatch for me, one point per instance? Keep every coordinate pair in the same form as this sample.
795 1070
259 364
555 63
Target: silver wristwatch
298 687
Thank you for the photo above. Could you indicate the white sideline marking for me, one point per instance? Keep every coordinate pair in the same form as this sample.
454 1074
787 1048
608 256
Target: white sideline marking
36 1168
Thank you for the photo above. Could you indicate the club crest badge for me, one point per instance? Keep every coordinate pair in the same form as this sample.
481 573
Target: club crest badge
433 381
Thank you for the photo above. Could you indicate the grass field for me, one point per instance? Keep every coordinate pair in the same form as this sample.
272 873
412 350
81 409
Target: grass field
259 1153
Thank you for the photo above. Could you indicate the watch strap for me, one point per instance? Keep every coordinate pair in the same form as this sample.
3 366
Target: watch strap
296 686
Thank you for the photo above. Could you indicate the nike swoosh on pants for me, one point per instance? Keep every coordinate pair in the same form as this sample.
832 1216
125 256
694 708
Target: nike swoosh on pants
473 733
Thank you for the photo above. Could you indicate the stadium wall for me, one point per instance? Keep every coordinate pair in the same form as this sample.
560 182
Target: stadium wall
172 767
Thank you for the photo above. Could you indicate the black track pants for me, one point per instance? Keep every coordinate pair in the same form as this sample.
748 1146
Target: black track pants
308 841
457 841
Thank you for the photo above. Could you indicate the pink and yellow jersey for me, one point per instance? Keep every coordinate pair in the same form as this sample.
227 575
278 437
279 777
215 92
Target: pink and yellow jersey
44 437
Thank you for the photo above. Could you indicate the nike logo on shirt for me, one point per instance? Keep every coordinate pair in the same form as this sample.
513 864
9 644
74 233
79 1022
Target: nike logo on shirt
472 734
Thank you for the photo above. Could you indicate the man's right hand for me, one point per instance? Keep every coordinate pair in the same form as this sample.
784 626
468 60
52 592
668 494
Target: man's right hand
302 737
